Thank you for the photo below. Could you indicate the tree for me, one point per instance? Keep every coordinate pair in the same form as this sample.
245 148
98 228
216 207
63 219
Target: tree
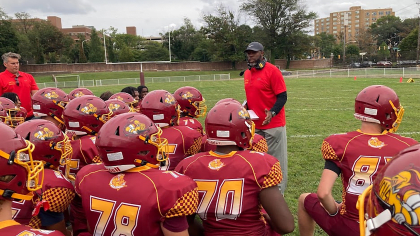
183 40
352 51
366 42
153 51
8 37
96 48
25 21
125 54
222 29
408 46
325 42
279 19
383 51
387 29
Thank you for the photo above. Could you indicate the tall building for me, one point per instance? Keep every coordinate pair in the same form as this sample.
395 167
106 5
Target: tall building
131 30
352 21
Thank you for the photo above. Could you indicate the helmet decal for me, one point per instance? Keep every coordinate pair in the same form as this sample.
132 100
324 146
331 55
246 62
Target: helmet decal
169 99
89 109
135 127
114 106
79 94
51 95
244 114
44 134
187 95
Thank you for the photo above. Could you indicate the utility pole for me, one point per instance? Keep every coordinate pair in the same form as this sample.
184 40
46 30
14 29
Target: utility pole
346 22
418 38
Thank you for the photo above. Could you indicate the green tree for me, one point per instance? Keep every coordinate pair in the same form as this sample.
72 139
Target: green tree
408 46
126 54
96 48
8 37
279 19
82 55
153 51
383 51
183 40
387 29
222 30
325 42
110 50
25 22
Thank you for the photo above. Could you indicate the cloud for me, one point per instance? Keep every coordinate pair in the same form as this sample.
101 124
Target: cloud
48 7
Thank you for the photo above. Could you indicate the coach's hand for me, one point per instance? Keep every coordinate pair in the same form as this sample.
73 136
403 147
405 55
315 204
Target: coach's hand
268 117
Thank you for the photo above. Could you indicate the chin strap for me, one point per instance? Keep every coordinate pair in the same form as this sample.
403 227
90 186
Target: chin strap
12 195
378 221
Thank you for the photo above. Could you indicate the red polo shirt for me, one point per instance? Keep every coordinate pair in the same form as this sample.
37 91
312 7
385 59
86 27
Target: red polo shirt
261 88
26 85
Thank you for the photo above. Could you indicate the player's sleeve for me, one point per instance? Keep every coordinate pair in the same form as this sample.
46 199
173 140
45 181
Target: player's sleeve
259 144
185 198
77 215
274 176
195 146
328 152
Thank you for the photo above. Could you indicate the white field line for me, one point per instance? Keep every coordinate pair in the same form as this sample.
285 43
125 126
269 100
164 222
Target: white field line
326 135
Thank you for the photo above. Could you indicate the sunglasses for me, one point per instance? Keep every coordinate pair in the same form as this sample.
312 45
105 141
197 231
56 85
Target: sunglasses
17 80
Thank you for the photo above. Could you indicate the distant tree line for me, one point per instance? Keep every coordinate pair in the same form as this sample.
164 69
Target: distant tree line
280 25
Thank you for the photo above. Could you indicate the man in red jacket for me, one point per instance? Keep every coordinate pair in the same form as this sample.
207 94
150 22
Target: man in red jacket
13 80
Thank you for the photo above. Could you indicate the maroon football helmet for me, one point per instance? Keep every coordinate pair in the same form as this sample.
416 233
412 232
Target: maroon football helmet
379 104
52 147
50 102
117 106
393 200
20 174
3 114
228 100
130 140
229 123
191 101
15 116
86 114
75 93
161 107
127 98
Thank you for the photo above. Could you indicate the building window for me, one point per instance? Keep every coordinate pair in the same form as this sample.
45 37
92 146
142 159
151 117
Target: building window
374 13
357 12
373 19
334 14
335 27
367 13
356 21
381 13
349 30
342 13
388 13
335 31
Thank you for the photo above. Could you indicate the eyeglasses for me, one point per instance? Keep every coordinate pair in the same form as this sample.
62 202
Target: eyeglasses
17 80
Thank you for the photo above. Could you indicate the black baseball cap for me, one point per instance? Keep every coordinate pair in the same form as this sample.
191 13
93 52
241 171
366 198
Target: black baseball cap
255 46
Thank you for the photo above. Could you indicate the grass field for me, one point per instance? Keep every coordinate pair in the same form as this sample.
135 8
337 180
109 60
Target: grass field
316 108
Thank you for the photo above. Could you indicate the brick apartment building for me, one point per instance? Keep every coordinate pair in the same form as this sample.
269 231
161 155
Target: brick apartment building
351 22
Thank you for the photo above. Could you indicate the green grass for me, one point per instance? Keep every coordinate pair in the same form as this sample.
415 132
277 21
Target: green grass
135 74
316 108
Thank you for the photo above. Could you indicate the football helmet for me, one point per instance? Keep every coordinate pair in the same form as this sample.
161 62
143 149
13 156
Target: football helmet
393 200
86 115
229 123
130 140
379 104
228 100
127 98
19 173
50 102
117 106
161 107
75 93
3 114
52 147
191 101
15 116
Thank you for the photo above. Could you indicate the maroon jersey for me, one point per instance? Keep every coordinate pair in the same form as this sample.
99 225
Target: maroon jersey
56 190
259 144
360 156
192 123
84 153
183 141
13 228
229 186
134 202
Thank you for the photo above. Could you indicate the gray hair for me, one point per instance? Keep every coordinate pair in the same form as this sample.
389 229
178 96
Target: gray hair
8 55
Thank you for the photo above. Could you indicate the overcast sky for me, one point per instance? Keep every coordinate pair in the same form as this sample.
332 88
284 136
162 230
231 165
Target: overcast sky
152 17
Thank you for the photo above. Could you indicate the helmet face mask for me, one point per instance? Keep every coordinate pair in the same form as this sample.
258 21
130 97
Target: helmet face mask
191 101
392 201
379 104
16 160
52 147
130 140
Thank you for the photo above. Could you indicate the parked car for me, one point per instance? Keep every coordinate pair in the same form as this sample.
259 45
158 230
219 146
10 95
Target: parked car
355 65
285 72
384 63
367 64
